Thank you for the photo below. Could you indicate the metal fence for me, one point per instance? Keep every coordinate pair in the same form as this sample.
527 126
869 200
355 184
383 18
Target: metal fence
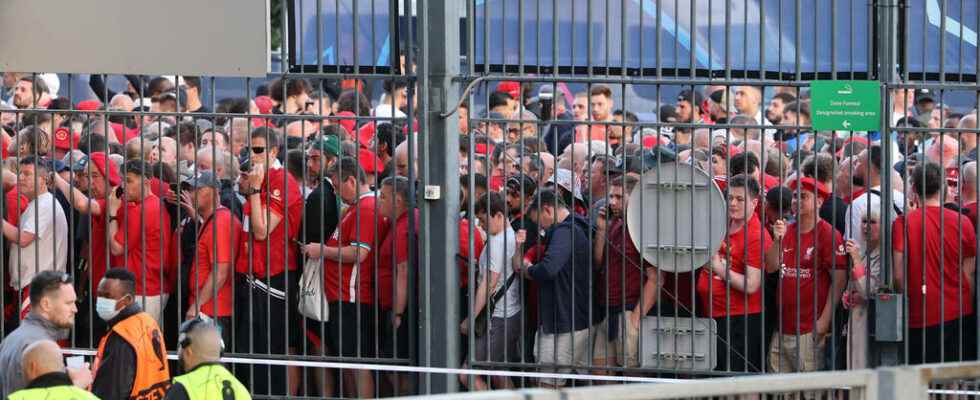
596 190
912 382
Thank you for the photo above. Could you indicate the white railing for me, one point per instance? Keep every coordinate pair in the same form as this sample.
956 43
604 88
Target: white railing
898 383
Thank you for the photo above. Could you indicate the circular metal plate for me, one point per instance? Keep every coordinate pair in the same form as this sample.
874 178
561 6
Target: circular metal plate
677 217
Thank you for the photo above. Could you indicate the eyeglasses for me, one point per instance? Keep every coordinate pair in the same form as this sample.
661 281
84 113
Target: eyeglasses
258 150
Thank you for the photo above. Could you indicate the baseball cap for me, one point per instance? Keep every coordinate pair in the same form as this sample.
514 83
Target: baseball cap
924 95
347 122
88 105
522 184
365 134
204 179
65 139
510 87
810 184
563 178
106 167
691 96
203 125
369 162
264 104
328 144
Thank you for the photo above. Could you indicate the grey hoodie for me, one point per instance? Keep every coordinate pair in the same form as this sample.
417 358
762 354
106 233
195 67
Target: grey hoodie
32 329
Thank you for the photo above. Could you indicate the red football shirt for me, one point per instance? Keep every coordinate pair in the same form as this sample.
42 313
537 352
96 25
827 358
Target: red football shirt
934 277
280 194
464 250
98 254
13 213
145 234
393 251
747 247
623 263
817 257
214 246
361 226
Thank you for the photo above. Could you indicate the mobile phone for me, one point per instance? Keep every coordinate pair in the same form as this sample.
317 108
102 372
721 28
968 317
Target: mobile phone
119 192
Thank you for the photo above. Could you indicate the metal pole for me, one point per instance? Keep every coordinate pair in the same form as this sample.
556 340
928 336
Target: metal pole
888 353
438 64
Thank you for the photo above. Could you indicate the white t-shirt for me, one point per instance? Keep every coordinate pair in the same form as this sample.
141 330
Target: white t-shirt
45 218
497 256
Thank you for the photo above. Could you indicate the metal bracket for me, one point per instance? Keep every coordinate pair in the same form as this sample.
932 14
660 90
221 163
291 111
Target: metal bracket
677 186
680 249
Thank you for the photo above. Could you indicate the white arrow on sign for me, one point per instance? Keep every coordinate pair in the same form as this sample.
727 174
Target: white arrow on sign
846 124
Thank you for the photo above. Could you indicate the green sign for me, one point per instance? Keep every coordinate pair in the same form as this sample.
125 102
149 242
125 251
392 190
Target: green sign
845 105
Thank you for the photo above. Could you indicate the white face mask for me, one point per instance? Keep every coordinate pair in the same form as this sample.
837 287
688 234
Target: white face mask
106 308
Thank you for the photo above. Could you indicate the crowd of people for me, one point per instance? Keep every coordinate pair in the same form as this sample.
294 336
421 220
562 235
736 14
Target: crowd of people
288 222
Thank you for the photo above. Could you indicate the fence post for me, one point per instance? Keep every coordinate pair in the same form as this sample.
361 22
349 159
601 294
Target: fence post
887 32
900 383
439 64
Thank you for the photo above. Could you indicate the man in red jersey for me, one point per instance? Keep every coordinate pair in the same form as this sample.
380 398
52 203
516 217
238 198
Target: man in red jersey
934 250
139 231
349 272
812 276
269 260
729 285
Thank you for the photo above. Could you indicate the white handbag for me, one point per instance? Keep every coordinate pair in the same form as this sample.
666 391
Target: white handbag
312 299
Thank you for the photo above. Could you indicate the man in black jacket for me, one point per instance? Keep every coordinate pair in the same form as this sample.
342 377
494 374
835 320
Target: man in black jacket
322 209
132 361
563 274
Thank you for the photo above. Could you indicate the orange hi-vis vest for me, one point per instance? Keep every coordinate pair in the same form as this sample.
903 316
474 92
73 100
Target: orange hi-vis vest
152 372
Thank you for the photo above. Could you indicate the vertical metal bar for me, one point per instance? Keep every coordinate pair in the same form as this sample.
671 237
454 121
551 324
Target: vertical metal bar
887 55
438 65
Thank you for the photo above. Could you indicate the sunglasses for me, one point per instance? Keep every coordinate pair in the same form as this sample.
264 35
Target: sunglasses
258 150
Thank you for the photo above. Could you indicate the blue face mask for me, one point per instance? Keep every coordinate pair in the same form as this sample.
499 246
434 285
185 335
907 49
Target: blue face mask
106 308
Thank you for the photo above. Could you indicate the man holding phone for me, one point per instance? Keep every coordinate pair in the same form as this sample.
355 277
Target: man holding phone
139 232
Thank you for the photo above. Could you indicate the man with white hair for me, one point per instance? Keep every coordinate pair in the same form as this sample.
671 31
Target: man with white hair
121 102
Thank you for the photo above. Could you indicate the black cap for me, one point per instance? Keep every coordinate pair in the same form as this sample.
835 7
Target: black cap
924 95
522 183
691 96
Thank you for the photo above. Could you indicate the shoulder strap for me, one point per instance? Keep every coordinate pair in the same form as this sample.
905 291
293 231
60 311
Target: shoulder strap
898 211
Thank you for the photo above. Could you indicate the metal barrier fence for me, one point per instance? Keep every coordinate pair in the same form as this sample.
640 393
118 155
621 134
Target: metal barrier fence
667 212
934 381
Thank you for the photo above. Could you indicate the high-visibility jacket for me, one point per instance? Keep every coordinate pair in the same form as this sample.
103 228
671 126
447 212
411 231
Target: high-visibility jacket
212 382
66 392
142 333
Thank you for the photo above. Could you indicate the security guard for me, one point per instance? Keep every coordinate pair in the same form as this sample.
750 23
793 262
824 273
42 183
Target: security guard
200 350
44 368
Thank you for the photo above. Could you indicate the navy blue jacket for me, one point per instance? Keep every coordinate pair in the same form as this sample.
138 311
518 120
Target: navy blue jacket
563 275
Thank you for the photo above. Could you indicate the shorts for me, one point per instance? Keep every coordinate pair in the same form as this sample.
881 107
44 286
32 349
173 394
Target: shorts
569 348
740 343
938 343
613 344
792 353
351 330
394 342
502 343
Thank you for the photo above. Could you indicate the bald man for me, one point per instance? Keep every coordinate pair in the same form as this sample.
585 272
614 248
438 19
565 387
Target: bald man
199 354
44 369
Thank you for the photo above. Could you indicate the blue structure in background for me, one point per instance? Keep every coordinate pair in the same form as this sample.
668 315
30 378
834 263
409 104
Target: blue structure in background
672 36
